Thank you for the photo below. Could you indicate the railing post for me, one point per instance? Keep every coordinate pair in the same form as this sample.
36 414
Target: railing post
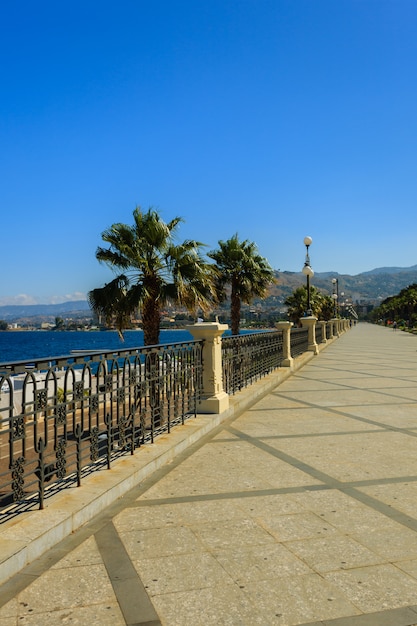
287 360
310 323
214 399
335 329
323 331
330 322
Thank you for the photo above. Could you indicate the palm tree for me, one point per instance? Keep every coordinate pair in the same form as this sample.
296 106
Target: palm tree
401 306
326 307
153 271
244 271
322 305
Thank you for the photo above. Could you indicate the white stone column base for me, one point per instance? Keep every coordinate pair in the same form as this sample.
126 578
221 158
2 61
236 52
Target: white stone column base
214 404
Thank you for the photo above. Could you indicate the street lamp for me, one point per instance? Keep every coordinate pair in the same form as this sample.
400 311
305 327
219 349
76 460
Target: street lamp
335 294
308 272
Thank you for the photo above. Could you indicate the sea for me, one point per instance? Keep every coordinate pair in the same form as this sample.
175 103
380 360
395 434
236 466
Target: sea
24 345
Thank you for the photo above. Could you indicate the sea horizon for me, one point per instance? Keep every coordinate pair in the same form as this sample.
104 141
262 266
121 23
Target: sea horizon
27 345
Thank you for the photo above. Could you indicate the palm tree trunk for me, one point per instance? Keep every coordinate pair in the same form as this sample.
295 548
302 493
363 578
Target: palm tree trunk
151 322
151 326
235 313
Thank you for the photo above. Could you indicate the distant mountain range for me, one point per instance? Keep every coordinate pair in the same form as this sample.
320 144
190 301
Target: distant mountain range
390 270
75 308
373 286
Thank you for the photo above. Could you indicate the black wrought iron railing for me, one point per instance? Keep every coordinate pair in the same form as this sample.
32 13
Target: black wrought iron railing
329 332
64 417
246 358
319 333
299 341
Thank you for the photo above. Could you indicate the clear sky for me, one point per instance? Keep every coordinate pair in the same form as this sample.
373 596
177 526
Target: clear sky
274 119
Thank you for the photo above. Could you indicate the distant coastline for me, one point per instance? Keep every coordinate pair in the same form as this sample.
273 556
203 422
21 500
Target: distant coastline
374 285
24 345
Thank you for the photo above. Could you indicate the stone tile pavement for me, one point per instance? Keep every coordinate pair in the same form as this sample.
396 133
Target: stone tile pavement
301 509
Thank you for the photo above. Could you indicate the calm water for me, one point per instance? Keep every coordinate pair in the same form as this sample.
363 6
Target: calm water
25 345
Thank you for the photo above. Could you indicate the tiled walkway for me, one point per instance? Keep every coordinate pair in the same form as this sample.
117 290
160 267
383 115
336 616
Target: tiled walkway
302 510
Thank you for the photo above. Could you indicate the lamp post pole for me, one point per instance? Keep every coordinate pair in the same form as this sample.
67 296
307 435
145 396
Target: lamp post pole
335 295
308 272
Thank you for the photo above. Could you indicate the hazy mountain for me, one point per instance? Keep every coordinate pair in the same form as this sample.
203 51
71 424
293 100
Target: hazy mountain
375 285
390 270
76 308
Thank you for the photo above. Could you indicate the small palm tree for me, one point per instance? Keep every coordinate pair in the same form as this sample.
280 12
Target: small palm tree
322 305
152 270
244 271
403 305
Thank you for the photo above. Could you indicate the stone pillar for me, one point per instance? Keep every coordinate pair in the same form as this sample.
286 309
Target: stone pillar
323 332
214 398
335 329
310 323
287 360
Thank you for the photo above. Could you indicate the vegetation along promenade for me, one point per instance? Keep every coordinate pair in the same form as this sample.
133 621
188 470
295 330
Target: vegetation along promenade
297 505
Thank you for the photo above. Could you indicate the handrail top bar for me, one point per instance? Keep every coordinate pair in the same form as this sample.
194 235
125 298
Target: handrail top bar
80 356
256 333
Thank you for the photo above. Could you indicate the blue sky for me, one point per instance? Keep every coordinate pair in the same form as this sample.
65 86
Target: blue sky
274 119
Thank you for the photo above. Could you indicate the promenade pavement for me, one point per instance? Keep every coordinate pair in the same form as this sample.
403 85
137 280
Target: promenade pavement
301 509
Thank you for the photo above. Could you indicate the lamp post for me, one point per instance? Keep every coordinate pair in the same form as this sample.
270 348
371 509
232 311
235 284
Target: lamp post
309 273
335 294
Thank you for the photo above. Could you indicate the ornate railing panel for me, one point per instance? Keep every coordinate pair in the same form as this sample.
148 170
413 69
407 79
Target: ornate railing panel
319 333
246 358
299 341
67 416
329 330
